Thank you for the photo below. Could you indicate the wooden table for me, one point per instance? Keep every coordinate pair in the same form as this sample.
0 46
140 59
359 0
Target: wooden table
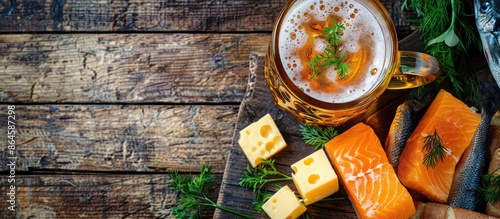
110 96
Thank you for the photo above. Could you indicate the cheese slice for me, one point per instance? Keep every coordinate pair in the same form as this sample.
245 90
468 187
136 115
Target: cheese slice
314 177
261 140
284 204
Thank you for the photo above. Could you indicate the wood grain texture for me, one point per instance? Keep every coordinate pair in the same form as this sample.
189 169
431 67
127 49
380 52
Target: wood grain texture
120 137
81 195
151 15
137 15
132 68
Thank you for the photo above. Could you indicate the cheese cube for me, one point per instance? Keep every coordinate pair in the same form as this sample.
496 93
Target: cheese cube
284 204
261 140
314 177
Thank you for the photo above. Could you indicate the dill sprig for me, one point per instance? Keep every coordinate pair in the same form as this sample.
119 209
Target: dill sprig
317 136
436 152
261 198
331 54
449 36
259 201
192 197
449 33
265 172
256 178
491 187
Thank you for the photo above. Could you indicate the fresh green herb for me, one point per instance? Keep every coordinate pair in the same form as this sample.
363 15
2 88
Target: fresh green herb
266 172
331 54
449 36
449 33
491 187
436 152
256 178
192 197
334 34
261 198
317 136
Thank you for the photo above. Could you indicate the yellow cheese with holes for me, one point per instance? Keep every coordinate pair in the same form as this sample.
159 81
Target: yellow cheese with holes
314 177
261 140
284 204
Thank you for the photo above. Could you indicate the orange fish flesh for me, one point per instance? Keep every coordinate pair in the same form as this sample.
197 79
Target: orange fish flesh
370 181
455 123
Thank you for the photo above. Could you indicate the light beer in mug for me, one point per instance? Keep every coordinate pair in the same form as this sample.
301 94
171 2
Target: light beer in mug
368 46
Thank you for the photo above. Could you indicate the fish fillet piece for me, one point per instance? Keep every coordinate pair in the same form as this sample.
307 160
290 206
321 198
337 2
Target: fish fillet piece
455 124
407 116
371 182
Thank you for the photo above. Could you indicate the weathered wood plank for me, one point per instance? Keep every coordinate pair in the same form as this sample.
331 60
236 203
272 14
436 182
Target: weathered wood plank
119 137
111 68
150 15
95 196
138 15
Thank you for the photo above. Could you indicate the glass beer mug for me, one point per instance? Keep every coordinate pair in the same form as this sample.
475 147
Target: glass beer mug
368 46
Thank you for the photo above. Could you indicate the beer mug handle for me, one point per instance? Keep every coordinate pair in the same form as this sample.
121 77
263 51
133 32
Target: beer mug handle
414 69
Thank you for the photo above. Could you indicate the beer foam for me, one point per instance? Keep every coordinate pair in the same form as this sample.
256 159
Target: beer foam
359 26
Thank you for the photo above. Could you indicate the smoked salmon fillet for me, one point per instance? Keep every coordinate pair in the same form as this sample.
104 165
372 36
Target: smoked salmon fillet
455 123
370 181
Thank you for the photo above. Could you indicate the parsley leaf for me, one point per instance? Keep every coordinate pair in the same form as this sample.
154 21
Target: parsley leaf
330 56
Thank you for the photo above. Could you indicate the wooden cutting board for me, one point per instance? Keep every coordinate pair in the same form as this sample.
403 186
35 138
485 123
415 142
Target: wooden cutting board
257 103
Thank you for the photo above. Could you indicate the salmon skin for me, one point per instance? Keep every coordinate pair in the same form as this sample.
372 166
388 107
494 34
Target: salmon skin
464 191
406 119
456 124
487 14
